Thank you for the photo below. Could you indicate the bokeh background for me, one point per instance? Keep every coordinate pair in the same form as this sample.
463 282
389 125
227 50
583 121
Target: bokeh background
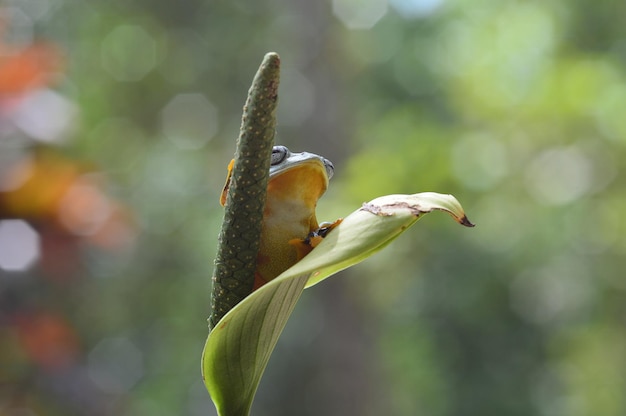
117 121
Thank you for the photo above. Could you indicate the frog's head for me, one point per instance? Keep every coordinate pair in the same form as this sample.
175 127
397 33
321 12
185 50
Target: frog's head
301 177
298 176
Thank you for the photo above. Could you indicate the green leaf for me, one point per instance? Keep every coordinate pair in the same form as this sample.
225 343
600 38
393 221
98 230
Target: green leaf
239 347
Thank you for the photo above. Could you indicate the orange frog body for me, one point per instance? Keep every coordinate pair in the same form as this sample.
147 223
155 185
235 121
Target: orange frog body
290 229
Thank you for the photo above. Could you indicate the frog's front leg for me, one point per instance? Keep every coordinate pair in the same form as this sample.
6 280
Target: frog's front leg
304 246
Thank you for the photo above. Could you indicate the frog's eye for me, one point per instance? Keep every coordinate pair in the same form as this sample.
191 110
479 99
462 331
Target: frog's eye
279 153
330 169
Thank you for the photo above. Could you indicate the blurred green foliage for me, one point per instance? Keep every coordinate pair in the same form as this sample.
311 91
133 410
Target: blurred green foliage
515 107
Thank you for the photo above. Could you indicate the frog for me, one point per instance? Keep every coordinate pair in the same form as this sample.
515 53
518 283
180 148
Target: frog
289 229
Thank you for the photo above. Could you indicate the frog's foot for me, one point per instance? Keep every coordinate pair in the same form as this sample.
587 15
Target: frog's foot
304 246
324 229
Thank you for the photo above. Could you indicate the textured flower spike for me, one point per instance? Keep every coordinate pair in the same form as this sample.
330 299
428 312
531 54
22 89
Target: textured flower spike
239 238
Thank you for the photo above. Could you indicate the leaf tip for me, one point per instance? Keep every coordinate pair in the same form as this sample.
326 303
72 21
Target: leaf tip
465 221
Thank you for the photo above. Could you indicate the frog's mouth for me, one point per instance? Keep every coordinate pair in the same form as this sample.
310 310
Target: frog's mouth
304 183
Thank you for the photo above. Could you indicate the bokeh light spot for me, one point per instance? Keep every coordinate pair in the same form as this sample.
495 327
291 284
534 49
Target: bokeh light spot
559 176
415 8
190 121
115 365
84 208
356 14
128 53
19 245
45 115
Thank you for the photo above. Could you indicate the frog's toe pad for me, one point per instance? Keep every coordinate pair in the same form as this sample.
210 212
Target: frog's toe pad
325 228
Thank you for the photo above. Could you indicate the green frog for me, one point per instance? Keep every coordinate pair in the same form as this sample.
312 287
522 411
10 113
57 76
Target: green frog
290 229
